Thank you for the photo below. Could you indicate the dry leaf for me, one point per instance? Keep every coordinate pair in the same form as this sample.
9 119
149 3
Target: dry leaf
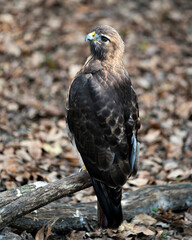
12 107
54 134
162 224
175 174
176 140
37 58
139 182
148 98
188 216
34 150
10 184
152 136
142 229
23 155
49 228
40 234
12 167
170 164
125 226
143 219
54 149
7 18
183 109
143 174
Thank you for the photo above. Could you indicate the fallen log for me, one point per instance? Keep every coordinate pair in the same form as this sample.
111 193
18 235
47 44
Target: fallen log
82 216
70 216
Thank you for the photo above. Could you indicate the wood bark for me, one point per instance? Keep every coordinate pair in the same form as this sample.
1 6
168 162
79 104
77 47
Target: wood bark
82 215
11 195
42 196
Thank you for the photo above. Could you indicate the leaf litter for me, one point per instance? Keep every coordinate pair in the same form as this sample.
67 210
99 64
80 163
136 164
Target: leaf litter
41 51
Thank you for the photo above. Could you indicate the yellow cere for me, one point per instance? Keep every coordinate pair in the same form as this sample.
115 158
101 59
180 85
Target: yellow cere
95 40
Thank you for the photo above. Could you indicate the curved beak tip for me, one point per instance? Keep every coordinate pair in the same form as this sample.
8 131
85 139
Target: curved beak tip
89 37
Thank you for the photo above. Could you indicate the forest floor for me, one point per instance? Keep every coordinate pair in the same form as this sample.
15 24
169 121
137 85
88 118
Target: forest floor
41 49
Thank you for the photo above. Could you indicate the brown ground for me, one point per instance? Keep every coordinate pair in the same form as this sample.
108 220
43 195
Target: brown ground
42 47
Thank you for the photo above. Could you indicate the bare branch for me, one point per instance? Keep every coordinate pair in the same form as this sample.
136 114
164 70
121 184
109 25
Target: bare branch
42 196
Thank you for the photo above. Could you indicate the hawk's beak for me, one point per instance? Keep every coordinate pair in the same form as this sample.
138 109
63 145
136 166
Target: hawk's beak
92 37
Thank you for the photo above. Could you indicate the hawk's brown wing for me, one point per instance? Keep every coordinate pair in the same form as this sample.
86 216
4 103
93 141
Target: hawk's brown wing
102 116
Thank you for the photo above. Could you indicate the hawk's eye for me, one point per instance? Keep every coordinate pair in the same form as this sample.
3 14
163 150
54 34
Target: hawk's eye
104 39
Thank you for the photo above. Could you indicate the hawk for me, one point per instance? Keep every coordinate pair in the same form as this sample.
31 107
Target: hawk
103 120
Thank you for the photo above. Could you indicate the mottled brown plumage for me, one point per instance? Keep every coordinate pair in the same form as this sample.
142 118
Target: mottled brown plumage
103 120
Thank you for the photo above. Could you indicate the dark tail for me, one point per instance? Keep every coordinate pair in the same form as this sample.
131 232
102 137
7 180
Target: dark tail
109 205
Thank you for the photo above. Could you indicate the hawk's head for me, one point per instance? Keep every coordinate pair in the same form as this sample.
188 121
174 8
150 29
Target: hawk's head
106 43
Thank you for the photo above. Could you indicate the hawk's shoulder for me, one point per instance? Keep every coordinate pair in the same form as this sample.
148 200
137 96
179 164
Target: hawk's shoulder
92 66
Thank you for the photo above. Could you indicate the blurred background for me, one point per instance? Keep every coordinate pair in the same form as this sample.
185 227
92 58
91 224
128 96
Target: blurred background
41 49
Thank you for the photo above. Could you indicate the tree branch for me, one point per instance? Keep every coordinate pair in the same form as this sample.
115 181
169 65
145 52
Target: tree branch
175 197
13 194
42 196
82 216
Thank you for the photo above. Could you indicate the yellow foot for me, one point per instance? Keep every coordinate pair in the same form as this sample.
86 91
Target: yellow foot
82 168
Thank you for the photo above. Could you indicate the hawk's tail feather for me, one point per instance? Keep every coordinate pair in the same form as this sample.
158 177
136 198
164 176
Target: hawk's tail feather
109 205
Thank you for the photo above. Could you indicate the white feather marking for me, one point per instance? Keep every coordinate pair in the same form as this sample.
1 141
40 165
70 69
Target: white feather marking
137 154
133 151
